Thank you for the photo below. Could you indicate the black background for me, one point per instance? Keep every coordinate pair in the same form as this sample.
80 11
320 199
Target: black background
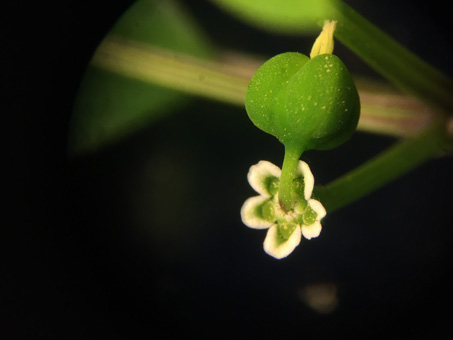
75 264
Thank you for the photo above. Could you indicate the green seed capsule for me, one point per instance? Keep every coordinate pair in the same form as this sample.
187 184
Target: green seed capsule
305 103
269 81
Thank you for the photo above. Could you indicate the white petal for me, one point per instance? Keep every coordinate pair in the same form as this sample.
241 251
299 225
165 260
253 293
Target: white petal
309 181
312 230
259 172
281 250
317 207
249 216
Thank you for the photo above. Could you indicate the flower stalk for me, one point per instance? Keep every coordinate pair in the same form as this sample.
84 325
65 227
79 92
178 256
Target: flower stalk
290 162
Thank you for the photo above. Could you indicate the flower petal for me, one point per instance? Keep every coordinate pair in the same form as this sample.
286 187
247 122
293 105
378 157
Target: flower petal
274 247
309 181
313 230
317 207
251 213
263 176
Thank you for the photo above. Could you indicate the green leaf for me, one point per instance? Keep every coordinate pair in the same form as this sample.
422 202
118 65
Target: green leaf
287 16
110 105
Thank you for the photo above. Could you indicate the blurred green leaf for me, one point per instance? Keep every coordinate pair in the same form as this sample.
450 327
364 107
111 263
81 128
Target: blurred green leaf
110 106
287 16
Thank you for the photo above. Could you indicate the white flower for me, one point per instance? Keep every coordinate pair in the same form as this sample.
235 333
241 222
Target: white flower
285 229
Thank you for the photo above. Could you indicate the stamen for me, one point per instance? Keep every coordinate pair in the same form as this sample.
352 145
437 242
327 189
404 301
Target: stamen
324 43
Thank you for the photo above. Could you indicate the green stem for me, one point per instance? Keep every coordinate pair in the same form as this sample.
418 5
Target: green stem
290 162
387 166
392 60
383 111
167 68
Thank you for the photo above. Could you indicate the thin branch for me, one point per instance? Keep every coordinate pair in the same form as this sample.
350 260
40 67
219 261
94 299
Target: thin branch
392 163
383 111
392 60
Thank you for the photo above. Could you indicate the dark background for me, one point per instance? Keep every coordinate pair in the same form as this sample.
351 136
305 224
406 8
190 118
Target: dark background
144 239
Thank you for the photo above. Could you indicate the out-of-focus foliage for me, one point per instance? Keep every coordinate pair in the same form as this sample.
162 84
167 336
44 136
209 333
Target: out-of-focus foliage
110 106
288 16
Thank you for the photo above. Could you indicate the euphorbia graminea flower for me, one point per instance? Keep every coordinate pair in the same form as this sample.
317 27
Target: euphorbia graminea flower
285 228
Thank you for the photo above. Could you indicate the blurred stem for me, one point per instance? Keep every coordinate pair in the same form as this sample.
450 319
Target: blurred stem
170 69
382 111
392 60
389 165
